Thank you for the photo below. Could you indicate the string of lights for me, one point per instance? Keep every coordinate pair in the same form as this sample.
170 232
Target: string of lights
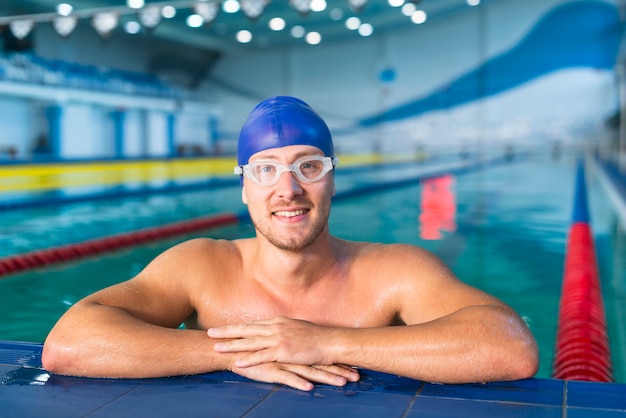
199 13
105 19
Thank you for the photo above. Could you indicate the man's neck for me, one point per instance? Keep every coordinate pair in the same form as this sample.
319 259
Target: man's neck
295 269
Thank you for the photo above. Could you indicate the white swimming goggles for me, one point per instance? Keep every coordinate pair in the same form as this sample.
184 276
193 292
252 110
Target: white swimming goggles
307 169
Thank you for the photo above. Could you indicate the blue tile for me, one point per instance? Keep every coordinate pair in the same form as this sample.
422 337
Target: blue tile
26 390
529 391
595 413
372 381
19 353
431 407
596 395
36 393
188 398
325 401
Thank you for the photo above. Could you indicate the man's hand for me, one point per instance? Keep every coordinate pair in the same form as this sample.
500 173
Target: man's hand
299 376
289 350
279 339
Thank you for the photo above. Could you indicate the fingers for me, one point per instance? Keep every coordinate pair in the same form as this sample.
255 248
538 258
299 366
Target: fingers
349 373
241 345
301 377
334 375
297 376
275 373
261 327
238 331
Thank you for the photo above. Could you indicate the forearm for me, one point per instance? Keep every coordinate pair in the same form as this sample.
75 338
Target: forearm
102 341
467 346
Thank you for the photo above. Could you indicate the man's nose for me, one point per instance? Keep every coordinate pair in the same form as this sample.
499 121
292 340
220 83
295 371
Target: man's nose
288 184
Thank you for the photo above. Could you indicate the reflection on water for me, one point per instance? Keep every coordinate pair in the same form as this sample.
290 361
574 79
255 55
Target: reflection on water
438 207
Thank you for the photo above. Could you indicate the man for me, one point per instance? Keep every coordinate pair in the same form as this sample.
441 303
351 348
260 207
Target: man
294 305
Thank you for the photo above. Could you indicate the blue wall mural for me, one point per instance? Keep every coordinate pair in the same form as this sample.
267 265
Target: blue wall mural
578 34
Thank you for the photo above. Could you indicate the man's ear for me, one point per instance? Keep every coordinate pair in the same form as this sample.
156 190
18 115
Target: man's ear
244 199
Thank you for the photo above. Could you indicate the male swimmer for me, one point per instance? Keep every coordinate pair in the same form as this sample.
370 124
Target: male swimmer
294 304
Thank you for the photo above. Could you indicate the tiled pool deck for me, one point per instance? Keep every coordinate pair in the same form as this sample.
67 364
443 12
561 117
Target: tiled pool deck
27 390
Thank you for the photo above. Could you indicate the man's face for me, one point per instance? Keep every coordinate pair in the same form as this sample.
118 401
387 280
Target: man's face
289 214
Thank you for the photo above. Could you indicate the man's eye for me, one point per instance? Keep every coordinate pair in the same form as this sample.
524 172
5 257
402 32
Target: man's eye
266 168
310 166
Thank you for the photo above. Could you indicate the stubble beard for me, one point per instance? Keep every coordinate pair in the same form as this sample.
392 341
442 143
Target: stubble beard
295 241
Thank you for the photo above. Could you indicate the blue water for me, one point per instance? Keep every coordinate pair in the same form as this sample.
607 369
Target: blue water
502 229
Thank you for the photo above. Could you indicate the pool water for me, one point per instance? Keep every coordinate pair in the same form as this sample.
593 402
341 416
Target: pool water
502 229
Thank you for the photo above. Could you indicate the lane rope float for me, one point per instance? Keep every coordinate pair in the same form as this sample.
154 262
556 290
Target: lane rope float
582 350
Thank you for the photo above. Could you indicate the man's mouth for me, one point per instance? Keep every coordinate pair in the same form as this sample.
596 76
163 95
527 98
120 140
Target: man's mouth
290 213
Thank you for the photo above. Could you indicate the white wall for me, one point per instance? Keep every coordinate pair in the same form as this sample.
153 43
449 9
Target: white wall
86 131
21 122
157 134
344 86
340 81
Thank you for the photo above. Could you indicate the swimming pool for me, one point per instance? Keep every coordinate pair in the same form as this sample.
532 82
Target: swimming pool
502 229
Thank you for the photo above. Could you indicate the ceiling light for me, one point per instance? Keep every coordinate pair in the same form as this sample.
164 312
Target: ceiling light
244 36
64 25
168 12
357 5
473 2
21 28
418 17
301 6
366 29
104 22
313 38
149 16
208 10
195 20
297 31
408 9
132 27
318 5
64 9
395 3
230 6
135 4
253 9
353 23
277 23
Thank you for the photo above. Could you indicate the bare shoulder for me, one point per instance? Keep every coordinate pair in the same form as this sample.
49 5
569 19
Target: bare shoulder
400 259
420 285
193 258
166 291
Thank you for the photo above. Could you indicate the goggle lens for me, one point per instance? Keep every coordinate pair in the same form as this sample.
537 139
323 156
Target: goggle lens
307 169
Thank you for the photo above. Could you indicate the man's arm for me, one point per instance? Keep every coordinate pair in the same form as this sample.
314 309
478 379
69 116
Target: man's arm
131 330
454 333
119 345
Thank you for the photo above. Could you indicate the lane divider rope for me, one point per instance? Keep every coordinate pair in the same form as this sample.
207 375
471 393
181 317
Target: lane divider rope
64 253
582 350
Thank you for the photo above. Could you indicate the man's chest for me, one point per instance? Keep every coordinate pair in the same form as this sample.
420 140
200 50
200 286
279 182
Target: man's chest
340 309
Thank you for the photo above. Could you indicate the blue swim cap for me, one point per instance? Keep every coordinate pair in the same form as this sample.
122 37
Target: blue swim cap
281 121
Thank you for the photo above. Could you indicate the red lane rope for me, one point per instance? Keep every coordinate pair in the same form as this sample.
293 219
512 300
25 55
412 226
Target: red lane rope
582 343
54 255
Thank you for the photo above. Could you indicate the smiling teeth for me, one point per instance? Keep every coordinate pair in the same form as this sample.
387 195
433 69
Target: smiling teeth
289 214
